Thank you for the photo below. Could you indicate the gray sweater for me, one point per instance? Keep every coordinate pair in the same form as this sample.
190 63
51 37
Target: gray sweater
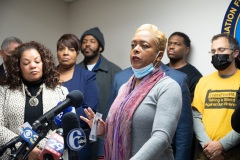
155 121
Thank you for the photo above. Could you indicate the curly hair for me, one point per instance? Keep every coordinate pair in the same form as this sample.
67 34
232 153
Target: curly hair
14 76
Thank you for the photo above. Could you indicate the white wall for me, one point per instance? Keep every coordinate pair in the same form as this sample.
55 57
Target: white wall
40 20
47 20
118 20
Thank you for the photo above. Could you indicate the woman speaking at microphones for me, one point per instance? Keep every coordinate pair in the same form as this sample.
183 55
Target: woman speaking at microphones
144 116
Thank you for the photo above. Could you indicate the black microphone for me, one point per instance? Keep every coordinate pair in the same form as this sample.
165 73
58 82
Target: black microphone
70 122
10 144
43 124
74 98
28 138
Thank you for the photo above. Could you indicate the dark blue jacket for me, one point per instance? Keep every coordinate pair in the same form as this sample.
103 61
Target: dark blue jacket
84 81
182 141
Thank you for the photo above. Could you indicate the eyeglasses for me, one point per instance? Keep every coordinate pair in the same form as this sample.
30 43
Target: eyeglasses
219 50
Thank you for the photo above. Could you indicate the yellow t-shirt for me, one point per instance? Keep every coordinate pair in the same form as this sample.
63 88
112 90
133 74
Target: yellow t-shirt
215 98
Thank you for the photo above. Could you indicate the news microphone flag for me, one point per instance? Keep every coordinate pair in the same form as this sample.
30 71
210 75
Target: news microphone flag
29 136
76 139
58 118
54 147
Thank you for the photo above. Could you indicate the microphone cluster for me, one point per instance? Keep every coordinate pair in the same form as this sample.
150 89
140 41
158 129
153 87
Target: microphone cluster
72 137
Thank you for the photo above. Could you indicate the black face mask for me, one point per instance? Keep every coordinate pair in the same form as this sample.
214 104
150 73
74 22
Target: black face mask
221 61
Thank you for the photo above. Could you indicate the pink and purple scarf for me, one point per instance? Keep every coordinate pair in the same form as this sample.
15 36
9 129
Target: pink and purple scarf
117 145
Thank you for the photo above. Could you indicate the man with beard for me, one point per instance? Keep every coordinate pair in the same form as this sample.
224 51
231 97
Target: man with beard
214 102
177 50
92 45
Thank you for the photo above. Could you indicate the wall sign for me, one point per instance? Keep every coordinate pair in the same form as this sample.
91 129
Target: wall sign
231 24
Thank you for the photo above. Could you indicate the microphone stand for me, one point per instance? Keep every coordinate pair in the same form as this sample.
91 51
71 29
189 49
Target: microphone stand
19 151
10 144
42 130
13 150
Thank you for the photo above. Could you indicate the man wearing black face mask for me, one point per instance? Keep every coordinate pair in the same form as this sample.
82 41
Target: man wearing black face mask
221 61
214 102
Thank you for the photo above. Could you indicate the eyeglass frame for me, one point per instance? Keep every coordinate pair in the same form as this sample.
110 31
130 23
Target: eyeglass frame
219 50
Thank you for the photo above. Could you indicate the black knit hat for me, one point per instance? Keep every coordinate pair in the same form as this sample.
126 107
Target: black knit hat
95 32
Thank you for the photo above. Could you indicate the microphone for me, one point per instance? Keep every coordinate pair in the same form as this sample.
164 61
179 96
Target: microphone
9 144
74 136
54 147
29 135
58 118
43 124
74 98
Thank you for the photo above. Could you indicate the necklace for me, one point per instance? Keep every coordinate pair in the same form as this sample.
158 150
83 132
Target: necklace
33 101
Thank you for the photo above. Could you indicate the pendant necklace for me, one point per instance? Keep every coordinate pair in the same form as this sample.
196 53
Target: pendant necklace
33 101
